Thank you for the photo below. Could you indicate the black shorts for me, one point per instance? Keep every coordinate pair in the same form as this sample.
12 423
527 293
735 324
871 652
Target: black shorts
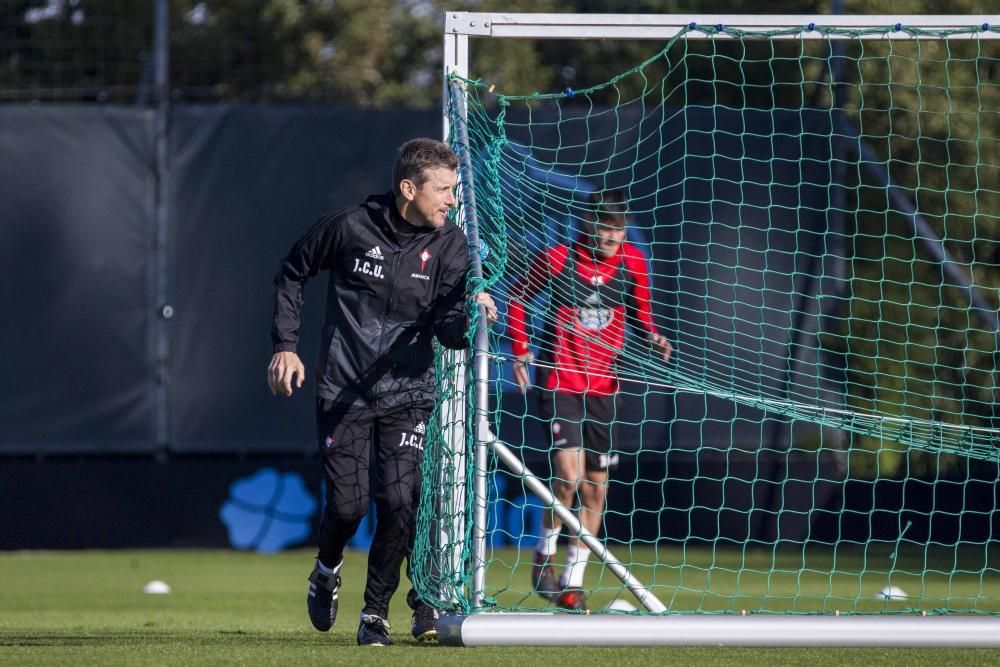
581 420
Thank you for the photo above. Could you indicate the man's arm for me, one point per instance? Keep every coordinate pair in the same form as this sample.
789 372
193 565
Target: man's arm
540 272
450 321
307 257
450 318
641 311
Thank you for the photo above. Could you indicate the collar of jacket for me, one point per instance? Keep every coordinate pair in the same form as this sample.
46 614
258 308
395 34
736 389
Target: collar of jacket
385 204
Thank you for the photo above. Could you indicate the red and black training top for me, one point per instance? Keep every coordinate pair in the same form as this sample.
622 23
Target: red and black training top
590 302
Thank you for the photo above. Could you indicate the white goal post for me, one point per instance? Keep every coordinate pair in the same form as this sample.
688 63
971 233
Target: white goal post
660 628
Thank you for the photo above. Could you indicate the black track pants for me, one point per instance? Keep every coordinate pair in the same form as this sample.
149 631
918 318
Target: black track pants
350 438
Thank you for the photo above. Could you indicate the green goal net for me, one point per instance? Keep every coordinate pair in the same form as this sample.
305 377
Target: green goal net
818 213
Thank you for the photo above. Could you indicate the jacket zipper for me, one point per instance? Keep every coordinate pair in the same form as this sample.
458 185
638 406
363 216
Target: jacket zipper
385 314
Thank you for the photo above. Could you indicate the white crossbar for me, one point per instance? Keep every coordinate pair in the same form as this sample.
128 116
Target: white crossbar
667 26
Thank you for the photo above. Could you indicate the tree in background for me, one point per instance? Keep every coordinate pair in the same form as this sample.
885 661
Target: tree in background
73 50
362 53
369 53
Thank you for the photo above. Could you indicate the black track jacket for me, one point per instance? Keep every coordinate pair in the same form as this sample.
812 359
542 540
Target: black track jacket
392 287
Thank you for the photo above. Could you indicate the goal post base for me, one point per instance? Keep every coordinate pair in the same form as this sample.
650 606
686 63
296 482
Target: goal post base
775 631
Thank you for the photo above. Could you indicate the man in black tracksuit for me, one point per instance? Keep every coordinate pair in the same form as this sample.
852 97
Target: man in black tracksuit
397 279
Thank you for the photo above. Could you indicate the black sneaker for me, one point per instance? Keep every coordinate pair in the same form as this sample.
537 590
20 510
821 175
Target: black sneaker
373 631
543 577
424 625
572 599
322 599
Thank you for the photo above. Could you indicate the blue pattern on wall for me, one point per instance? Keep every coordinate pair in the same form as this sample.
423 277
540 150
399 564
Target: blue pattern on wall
268 511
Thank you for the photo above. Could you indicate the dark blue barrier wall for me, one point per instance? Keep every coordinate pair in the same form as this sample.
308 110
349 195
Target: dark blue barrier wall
78 226
78 231
79 296
76 203
272 502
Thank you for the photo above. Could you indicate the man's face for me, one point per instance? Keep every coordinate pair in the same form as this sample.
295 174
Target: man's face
431 202
607 235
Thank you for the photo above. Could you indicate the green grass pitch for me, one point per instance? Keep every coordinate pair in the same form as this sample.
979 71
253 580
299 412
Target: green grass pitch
229 608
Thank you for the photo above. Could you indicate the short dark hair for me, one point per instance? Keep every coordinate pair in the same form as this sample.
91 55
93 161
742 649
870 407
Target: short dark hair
418 155
608 205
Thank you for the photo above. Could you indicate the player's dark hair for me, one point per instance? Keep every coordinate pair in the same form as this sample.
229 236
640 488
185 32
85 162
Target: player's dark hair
608 205
418 155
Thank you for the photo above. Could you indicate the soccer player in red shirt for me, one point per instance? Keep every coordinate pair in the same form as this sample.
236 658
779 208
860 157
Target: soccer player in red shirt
595 286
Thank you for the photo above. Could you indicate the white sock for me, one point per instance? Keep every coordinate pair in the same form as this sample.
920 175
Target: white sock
576 565
547 543
328 571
